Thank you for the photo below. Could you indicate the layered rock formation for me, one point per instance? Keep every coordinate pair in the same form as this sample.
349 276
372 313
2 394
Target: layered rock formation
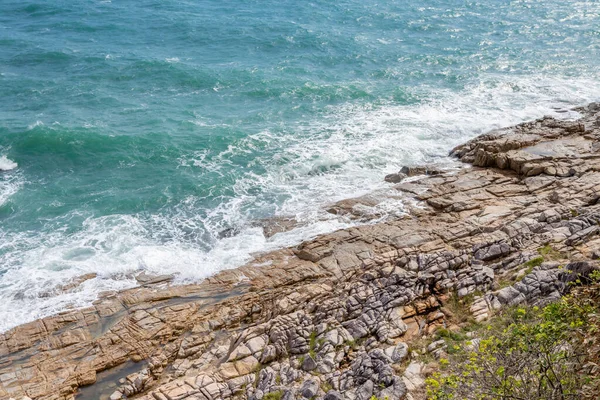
338 316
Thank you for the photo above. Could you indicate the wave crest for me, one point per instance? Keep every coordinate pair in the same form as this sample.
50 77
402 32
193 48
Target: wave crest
6 164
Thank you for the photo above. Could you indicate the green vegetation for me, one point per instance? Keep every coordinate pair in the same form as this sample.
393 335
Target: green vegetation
354 344
550 254
546 253
506 281
273 395
527 353
444 333
326 386
459 308
454 340
312 345
534 262
256 376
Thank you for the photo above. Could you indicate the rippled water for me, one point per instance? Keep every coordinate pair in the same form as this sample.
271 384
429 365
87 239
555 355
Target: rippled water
132 133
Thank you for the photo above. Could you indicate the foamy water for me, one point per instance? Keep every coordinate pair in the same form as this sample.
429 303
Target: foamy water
363 146
122 156
6 164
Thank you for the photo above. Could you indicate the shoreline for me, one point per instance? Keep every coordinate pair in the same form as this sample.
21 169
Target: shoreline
293 312
37 294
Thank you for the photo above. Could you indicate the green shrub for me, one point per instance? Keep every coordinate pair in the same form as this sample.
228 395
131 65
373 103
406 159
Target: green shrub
529 353
534 262
444 333
273 395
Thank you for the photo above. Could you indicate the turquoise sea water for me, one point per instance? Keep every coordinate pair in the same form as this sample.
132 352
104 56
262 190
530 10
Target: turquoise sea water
133 132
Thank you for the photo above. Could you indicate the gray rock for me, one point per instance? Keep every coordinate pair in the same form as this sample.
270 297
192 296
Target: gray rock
510 296
144 279
365 391
397 353
436 345
357 328
394 178
309 388
396 391
289 394
266 379
309 363
420 170
493 251
362 368
333 395
257 344
269 354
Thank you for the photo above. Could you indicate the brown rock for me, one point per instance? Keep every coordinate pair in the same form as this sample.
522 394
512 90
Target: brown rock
384 282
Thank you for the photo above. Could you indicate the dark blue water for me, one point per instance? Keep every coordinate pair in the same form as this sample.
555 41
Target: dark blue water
133 132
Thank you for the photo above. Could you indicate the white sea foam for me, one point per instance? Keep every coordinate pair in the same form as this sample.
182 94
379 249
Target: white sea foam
9 185
35 124
116 248
10 181
6 164
345 153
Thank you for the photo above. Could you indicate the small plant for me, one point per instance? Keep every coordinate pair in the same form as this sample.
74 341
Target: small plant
354 344
444 362
256 377
444 333
326 386
534 262
453 339
273 395
505 282
550 254
312 344
460 308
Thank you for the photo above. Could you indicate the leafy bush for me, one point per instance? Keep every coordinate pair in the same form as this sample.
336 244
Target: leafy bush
530 354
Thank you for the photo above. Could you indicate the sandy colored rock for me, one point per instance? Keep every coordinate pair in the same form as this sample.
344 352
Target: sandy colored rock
345 305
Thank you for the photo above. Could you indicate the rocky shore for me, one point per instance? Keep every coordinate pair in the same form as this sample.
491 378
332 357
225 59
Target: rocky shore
343 316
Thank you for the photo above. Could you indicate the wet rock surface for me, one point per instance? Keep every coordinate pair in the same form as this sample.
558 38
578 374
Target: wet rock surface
335 318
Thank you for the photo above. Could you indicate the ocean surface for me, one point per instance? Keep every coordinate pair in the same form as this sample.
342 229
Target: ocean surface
133 132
